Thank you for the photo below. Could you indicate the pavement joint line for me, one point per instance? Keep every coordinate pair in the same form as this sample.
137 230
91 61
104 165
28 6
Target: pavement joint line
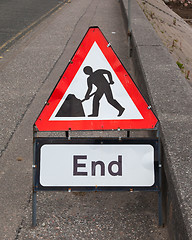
149 45
80 20
28 28
14 130
18 230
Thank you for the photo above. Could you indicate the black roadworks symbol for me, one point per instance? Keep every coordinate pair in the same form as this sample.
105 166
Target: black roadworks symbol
72 106
98 79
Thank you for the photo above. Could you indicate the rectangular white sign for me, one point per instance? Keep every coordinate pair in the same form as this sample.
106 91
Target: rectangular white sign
97 165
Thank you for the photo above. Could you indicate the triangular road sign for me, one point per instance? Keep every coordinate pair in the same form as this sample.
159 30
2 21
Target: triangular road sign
95 92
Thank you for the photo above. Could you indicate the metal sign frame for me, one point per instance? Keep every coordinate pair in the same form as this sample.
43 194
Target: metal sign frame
39 141
151 123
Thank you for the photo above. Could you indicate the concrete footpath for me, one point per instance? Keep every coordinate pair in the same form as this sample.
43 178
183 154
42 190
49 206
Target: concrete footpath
28 73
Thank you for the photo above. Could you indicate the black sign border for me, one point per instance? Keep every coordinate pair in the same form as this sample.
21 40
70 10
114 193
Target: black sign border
39 142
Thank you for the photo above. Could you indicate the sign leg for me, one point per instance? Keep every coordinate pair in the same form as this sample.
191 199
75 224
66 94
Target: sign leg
34 208
160 208
160 200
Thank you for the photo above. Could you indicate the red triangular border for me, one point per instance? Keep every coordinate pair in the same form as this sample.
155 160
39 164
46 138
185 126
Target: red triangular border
94 34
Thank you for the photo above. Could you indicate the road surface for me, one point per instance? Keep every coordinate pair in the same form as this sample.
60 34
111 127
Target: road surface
17 17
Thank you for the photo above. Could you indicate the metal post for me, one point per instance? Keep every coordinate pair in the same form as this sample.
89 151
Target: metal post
34 210
160 209
34 196
128 134
129 28
67 134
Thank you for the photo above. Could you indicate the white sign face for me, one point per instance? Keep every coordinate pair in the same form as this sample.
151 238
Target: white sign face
96 165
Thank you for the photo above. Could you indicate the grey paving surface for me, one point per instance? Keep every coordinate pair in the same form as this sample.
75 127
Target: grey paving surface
29 72
96 215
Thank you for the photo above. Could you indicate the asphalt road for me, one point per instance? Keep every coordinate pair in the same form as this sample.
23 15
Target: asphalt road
18 16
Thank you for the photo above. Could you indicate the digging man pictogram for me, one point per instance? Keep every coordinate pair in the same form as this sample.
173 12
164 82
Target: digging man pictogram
98 79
